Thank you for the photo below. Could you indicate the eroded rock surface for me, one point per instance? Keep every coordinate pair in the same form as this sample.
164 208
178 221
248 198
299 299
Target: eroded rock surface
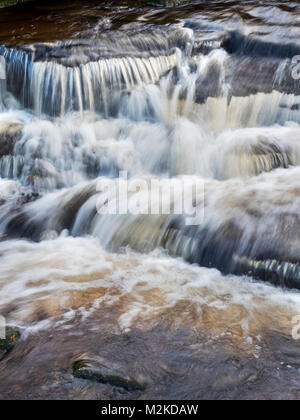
10 133
93 370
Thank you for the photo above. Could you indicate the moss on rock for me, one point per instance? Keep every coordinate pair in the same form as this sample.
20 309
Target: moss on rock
9 3
7 344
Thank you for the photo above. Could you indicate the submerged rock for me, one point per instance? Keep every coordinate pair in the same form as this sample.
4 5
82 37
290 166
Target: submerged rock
95 371
6 345
10 133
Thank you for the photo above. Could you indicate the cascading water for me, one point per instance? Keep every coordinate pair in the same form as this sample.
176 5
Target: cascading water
196 99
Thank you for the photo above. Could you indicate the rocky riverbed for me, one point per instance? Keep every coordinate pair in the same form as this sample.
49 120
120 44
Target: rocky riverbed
137 305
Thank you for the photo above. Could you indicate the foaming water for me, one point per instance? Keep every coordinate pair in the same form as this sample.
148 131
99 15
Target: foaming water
244 222
186 123
194 95
158 138
57 278
78 76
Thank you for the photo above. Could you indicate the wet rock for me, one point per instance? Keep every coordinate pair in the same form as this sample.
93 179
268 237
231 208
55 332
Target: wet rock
6 345
10 133
285 349
95 371
9 3
164 3
71 208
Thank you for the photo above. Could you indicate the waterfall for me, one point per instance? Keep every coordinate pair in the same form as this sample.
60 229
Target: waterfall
55 89
149 201
170 107
57 78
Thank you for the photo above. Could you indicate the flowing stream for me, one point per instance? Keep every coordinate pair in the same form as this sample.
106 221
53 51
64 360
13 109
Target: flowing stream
204 92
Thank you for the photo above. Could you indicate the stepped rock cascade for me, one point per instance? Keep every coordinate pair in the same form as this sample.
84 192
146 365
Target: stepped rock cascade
95 97
162 102
73 76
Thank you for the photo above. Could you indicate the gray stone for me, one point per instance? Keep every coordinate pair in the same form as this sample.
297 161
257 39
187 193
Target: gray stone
95 371
164 3
10 133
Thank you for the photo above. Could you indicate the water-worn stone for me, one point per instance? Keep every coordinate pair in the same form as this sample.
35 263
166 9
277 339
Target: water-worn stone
164 3
10 133
9 3
7 344
94 371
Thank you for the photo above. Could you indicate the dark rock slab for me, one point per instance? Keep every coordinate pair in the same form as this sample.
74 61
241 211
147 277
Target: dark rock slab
177 364
164 3
95 371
